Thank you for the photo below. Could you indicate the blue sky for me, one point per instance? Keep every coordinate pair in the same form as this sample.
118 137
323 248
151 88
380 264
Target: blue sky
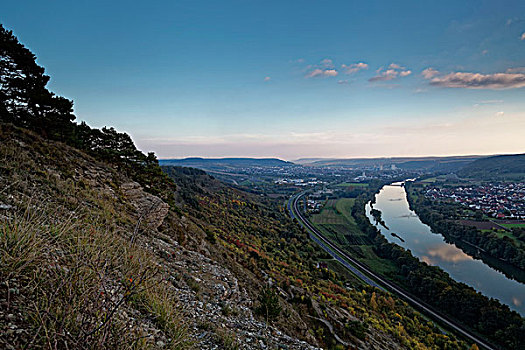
288 79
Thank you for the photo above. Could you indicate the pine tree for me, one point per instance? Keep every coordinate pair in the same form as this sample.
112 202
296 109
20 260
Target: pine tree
25 100
269 306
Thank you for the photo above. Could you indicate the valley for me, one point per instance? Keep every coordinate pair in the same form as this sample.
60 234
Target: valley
104 246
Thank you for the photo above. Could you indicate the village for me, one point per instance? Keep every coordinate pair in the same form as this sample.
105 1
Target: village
497 200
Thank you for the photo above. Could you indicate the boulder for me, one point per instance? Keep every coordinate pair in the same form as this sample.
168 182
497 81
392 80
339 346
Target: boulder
150 209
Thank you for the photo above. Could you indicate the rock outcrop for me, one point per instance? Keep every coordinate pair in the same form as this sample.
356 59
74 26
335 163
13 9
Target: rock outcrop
150 209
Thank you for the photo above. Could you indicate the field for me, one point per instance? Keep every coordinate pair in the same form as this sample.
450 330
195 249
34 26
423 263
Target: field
382 266
497 228
344 207
336 222
353 184
513 225
328 214
429 180
480 225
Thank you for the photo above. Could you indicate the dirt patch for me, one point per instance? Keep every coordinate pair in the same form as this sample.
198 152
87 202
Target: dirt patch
480 225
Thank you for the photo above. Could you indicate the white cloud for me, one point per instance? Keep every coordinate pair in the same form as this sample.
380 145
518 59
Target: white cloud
429 73
354 67
395 66
267 78
386 75
324 69
516 301
496 81
342 82
392 72
327 63
488 102
321 73
330 72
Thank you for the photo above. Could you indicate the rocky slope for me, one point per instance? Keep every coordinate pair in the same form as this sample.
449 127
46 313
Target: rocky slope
89 258
71 185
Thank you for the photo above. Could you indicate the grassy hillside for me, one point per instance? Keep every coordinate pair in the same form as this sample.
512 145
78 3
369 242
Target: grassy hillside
505 167
86 259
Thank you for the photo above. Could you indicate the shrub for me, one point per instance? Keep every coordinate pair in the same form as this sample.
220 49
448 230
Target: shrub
269 306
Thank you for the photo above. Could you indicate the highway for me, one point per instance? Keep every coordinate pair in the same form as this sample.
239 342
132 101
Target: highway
370 277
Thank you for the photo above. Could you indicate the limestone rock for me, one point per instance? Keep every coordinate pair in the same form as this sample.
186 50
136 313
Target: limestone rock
151 209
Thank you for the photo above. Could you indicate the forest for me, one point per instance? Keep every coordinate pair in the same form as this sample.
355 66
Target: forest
500 168
259 235
26 102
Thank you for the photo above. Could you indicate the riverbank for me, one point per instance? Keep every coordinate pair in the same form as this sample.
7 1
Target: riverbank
484 316
433 249
485 240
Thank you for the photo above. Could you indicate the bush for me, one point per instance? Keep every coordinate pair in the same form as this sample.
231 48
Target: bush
268 304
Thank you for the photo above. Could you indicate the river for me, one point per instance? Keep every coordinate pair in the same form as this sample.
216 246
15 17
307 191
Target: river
431 248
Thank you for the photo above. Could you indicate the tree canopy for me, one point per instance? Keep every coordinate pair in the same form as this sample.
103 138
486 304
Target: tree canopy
26 102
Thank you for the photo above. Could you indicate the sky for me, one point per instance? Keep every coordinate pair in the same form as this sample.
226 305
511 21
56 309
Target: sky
288 79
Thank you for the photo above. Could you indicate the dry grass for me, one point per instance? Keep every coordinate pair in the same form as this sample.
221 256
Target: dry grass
80 283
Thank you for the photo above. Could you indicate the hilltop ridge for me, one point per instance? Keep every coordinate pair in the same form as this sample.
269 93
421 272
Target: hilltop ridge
198 162
501 167
428 163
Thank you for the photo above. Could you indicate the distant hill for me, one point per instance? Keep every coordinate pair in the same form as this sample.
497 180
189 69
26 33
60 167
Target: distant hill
215 163
452 163
504 167
309 161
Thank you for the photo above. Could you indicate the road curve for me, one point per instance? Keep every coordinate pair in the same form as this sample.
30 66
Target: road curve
370 277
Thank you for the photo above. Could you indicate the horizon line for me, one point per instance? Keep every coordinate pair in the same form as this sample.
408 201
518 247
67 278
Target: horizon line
342 158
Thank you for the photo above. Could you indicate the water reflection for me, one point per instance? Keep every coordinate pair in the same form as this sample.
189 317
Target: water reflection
410 215
432 249
426 259
448 253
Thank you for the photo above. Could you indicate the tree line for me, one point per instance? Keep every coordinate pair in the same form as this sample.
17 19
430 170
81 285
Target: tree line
487 317
25 101
442 217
